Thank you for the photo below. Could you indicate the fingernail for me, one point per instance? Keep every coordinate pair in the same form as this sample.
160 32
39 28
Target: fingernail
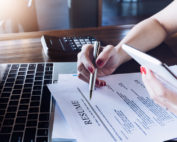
99 62
90 69
143 70
102 83
97 82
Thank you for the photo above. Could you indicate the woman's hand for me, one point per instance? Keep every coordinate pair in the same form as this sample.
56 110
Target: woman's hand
108 60
158 92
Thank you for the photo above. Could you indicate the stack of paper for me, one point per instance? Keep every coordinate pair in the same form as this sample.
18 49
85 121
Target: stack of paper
120 111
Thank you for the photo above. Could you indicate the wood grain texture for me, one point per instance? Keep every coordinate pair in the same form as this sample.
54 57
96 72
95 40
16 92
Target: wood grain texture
26 47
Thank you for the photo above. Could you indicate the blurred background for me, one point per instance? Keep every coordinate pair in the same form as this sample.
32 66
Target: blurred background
40 15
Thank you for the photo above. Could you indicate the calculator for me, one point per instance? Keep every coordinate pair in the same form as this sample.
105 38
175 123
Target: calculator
65 48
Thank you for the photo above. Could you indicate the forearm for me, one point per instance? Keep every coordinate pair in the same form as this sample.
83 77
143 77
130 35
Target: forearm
144 36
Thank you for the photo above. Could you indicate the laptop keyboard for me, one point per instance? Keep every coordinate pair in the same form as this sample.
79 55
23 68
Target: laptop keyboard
25 102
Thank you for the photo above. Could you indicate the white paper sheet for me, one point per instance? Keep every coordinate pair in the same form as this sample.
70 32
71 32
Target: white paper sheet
121 111
61 131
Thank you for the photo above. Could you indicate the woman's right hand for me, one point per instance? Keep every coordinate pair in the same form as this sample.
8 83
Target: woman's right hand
107 62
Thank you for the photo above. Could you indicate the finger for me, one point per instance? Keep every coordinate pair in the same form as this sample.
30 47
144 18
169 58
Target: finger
105 55
80 76
98 83
167 105
86 57
158 88
85 72
151 81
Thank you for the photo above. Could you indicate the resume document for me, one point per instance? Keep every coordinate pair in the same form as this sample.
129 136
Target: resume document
120 111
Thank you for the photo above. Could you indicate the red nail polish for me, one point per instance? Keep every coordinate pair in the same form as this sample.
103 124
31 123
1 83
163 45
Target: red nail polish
90 69
99 62
143 70
102 83
97 82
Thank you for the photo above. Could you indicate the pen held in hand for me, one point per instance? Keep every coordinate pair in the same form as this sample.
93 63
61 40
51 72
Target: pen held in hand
93 76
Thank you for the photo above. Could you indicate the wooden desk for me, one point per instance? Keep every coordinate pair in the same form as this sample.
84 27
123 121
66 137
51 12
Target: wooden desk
26 47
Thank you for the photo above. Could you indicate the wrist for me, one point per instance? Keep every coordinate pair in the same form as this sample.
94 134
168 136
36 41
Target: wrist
122 55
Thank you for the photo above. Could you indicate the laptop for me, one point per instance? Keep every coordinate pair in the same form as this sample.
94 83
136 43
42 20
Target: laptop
26 105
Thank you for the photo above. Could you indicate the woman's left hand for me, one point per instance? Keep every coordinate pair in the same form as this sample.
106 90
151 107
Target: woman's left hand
158 92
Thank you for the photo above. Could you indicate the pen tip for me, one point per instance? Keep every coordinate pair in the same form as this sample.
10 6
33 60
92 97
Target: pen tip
90 94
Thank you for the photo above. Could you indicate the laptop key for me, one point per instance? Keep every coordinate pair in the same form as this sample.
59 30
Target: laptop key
22 69
23 107
40 74
2 112
22 113
5 95
45 103
12 109
42 132
38 83
19 127
4 137
24 101
20 82
3 100
24 65
36 93
32 116
3 106
30 76
18 86
44 117
20 77
28 85
10 115
33 104
6 129
32 67
15 97
30 72
17 137
31 123
34 109
30 135
9 84
26 95
15 66
40 68
13 103
21 73
16 92
43 124
42 139
8 122
21 120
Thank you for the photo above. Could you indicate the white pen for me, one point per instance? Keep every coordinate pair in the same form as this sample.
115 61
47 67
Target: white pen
93 76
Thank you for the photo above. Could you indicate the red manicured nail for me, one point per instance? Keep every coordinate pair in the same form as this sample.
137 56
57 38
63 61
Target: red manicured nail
102 83
99 62
97 82
90 69
143 70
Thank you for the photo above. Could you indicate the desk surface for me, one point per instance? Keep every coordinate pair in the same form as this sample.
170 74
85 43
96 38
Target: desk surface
26 47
